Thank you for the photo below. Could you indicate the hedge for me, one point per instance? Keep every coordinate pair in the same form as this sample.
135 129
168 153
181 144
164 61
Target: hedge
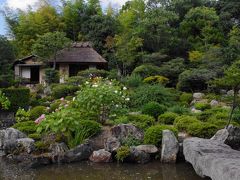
19 97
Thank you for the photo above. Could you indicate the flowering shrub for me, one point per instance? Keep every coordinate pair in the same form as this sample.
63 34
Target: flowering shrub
101 99
22 115
4 102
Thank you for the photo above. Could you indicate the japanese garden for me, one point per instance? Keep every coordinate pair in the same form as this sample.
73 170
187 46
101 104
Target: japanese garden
146 90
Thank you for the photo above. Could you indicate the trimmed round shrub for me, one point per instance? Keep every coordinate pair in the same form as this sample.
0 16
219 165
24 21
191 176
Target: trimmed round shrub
51 76
37 111
182 122
93 73
156 79
63 90
186 98
153 109
28 127
141 121
146 70
202 106
122 153
167 118
202 130
181 110
153 135
76 80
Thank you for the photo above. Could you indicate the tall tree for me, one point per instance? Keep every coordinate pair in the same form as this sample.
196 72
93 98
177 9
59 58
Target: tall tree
49 45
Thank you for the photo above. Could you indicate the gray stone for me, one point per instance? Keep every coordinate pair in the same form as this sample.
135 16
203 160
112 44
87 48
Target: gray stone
58 151
101 156
214 103
212 159
79 153
170 147
198 96
221 135
150 149
112 144
10 134
137 156
27 144
230 93
233 139
194 110
123 131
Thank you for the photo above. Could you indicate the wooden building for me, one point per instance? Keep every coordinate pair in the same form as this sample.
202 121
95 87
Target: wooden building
69 62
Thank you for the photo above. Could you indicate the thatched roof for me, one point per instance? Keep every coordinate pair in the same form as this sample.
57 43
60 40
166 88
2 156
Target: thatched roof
81 52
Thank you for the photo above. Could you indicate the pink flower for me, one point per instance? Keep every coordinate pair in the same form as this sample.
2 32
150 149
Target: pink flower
40 119
62 99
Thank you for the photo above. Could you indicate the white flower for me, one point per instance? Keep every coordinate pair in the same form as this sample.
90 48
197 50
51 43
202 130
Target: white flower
95 85
124 88
116 91
86 82
117 105
127 99
74 98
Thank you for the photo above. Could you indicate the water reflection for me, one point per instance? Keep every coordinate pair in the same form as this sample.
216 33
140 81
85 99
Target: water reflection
92 171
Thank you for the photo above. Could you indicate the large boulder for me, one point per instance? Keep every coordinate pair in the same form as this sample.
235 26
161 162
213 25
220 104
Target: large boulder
221 135
198 96
27 144
137 156
214 103
150 149
233 138
170 147
123 131
79 153
9 135
101 156
112 144
58 151
211 158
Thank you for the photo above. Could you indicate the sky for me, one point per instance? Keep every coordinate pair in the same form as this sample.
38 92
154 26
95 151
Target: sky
23 4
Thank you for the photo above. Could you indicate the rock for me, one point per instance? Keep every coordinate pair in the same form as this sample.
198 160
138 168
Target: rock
137 156
221 135
112 144
230 93
101 156
27 144
170 147
123 131
58 151
98 142
150 149
10 134
194 110
233 139
212 159
79 153
198 96
214 103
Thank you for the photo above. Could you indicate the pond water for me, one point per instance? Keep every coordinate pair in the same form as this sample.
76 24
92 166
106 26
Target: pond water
92 171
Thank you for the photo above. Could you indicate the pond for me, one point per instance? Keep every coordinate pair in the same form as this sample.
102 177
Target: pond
92 171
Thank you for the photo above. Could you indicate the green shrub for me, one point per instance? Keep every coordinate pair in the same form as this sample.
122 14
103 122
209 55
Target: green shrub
22 115
167 118
51 76
133 81
202 130
19 97
55 105
28 127
41 146
182 122
4 102
205 115
130 140
76 80
186 98
153 135
122 153
153 109
156 79
146 70
37 111
93 72
151 93
178 109
35 136
63 90
202 106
